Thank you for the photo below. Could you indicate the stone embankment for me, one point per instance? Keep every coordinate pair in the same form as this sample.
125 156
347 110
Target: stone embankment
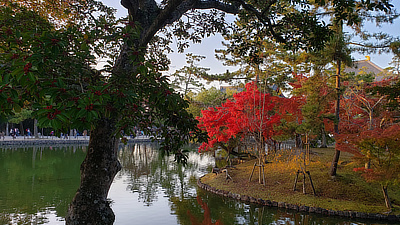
25 141
299 208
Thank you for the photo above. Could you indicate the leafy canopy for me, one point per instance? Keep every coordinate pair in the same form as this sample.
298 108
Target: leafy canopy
52 72
250 113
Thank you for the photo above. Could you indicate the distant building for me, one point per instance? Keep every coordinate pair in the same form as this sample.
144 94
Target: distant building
366 66
231 89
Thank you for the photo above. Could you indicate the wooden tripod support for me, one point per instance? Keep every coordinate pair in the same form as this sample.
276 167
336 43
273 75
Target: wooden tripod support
227 175
261 165
303 168
304 181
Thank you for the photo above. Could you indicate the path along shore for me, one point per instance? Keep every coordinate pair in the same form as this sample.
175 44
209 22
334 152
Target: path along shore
52 140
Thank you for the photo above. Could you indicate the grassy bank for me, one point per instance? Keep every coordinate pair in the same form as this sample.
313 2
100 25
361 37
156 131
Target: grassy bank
348 191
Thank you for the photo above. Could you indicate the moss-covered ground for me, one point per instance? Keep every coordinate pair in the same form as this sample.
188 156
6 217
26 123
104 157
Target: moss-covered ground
347 191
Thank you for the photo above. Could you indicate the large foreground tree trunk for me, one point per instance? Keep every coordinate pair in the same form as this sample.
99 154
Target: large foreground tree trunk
90 205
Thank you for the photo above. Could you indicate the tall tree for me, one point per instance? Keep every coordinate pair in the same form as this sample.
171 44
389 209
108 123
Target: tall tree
188 78
317 96
53 69
205 99
370 132
250 114
353 14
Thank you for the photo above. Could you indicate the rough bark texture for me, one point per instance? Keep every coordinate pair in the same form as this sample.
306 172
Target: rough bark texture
90 205
335 159
386 196
323 138
100 166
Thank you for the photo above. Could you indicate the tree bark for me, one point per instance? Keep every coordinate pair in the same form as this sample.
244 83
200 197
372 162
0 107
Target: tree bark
90 205
336 156
35 128
21 130
323 138
386 196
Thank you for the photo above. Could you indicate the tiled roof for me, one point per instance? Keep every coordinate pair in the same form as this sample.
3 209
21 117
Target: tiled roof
365 66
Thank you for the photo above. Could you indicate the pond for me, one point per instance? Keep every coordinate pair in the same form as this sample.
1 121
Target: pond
38 183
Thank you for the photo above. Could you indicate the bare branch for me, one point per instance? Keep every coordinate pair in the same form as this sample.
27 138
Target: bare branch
368 45
263 19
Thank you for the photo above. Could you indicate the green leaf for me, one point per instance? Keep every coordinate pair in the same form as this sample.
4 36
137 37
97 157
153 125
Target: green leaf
94 114
81 113
42 121
63 117
17 108
31 77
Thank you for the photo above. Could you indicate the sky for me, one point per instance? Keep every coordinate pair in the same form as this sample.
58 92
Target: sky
206 48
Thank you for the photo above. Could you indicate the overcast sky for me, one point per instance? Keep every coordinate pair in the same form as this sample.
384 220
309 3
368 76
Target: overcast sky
206 48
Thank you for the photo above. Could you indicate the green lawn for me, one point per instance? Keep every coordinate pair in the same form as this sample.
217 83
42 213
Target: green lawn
348 191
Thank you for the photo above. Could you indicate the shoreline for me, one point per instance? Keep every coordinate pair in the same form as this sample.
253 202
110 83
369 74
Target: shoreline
298 208
80 140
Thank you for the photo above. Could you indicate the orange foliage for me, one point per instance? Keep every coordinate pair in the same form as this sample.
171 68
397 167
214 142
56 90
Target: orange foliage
382 147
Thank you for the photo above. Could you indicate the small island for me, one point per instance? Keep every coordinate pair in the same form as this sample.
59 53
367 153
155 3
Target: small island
348 194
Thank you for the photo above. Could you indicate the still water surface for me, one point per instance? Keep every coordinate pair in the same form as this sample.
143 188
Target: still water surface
37 184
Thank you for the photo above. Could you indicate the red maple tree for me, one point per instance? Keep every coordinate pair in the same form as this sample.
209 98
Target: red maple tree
371 132
249 114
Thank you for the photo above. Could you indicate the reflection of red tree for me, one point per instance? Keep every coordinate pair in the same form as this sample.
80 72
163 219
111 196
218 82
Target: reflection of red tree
207 215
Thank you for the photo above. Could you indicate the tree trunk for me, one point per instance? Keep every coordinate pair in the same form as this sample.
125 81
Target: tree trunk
298 142
35 128
367 165
386 196
90 205
323 138
21 130
335 160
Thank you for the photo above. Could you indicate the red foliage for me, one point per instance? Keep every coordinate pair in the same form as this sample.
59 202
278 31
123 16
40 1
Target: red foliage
27 67
362 116
249 114
362 169
14 56
381 146
89 107
52 115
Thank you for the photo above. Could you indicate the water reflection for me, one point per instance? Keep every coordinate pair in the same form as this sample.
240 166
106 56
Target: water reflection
143 188
207 215
150 179
38 183
145 171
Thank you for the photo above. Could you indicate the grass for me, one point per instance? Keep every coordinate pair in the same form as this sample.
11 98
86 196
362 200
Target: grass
348 191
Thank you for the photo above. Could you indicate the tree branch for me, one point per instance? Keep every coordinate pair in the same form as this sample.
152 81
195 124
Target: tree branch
263 19
214 4
175 10
368 45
